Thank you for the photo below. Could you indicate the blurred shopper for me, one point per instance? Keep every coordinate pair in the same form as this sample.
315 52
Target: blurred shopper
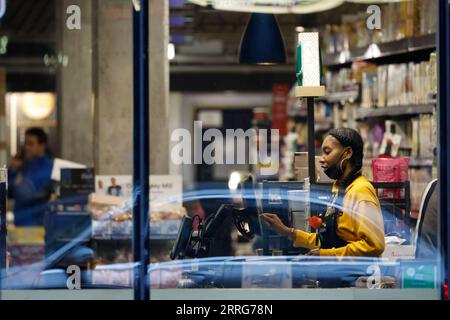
29 179
352 224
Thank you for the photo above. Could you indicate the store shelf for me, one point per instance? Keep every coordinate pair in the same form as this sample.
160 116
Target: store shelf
323 124
319 124
420 163
381 50
399 111
341 96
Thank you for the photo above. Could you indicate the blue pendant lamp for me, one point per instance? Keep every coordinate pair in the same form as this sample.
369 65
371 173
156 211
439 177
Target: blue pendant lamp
262 42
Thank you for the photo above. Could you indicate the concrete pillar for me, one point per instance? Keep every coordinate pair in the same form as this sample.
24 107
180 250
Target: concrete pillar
159 87
96 87
113 87
75 83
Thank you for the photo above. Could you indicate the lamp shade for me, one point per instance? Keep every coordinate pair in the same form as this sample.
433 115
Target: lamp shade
262 42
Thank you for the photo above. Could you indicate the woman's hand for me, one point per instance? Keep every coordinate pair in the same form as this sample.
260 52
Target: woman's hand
273 221
314 252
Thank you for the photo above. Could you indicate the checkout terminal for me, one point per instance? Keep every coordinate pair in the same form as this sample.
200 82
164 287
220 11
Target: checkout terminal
294 203
291 201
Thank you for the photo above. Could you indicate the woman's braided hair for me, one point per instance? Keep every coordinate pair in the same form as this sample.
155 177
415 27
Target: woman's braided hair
350 138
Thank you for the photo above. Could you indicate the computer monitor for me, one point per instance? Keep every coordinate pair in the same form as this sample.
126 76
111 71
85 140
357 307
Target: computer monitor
183 240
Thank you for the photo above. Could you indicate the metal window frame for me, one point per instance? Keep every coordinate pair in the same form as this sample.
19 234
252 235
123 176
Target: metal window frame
141 147
443 98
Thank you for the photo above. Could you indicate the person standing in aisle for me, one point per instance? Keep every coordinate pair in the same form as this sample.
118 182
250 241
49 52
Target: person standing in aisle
353 223
29 179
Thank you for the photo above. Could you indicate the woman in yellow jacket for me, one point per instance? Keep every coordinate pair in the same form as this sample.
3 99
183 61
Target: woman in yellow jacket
353 223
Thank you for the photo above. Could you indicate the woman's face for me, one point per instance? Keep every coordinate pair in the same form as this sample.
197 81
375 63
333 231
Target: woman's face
332 152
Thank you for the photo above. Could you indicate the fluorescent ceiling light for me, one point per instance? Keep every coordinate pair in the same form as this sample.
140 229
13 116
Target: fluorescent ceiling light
271 6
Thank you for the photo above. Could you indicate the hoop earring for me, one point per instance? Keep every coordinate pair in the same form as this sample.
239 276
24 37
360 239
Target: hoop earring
340 166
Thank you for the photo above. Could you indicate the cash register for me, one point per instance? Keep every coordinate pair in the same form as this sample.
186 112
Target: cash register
245 216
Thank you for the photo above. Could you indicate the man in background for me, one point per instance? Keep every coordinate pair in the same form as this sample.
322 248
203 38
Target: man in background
29 179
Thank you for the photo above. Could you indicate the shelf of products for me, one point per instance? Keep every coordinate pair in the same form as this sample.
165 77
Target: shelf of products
342 96
380 50
400 111
112 219
123 230
405 27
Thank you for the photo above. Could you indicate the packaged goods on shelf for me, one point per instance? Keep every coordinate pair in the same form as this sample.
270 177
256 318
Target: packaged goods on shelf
415 138
407 84
427 16
394 135
112 218
401 20
426 138
387 85
382 79
25 245
433 72
407 19
369 86
420 177
340 81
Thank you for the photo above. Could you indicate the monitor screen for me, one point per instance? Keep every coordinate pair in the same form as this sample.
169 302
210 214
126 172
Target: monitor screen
183 238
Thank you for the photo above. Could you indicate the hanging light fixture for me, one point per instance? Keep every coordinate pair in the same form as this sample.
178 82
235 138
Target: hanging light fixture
271 6
262 42
375 1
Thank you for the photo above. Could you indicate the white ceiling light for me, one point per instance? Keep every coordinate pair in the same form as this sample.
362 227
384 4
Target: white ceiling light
307 6
37 106
271 6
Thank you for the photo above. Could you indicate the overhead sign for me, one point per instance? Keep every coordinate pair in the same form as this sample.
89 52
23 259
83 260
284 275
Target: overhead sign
2 8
